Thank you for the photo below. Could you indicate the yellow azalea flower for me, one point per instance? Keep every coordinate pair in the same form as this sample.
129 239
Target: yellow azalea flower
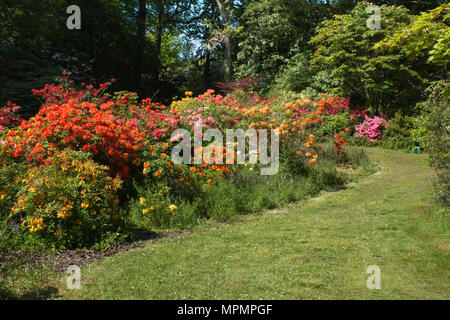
142 201
173 207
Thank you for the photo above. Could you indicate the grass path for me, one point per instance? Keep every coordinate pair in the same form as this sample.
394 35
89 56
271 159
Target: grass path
318 249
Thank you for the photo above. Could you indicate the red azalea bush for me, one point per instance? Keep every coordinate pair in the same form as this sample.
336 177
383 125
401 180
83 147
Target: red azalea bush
87 126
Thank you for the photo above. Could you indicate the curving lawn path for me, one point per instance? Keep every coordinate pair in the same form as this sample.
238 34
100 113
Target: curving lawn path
317 249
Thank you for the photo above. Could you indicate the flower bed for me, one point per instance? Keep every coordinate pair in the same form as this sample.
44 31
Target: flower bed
90 163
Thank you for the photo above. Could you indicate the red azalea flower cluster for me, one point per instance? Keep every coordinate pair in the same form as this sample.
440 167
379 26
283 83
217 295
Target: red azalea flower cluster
339 141
334 105
86 126
63 92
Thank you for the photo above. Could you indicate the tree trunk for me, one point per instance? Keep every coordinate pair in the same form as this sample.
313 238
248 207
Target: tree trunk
158 43
206 70
140 47
225 13
227 58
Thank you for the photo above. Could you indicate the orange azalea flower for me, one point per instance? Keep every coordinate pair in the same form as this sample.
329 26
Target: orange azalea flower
137 162
347 129
158 173
308 154
299 153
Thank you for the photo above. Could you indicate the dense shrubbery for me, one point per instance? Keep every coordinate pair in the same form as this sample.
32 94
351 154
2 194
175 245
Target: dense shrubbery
69 202
435 121
89 165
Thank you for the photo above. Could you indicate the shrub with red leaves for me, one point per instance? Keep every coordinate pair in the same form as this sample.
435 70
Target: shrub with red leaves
245 83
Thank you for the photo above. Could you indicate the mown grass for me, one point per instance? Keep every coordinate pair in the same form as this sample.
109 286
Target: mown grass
318 249
243 193
28 283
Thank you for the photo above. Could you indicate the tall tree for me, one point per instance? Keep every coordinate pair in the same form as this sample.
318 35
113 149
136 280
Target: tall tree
140 47
166 15
225 13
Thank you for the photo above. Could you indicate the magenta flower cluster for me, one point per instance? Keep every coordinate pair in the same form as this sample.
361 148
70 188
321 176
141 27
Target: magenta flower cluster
8 119
371 129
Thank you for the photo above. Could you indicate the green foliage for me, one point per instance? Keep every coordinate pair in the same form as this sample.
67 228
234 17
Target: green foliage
11 173
398 133
265 39
19 73
344 45
154 207
295 76
436 121
426 37
331 125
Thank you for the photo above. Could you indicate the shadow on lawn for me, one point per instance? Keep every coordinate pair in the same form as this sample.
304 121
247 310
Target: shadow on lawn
38 294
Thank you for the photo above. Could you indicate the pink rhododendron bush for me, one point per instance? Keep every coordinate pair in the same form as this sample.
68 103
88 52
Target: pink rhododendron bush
372 128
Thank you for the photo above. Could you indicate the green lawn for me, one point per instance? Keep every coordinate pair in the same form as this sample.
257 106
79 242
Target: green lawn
316 249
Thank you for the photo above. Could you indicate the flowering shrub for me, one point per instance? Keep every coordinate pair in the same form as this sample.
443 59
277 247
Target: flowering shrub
72 157
85 126
371 129
8 118
69 202
64 91
156 206
11 173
